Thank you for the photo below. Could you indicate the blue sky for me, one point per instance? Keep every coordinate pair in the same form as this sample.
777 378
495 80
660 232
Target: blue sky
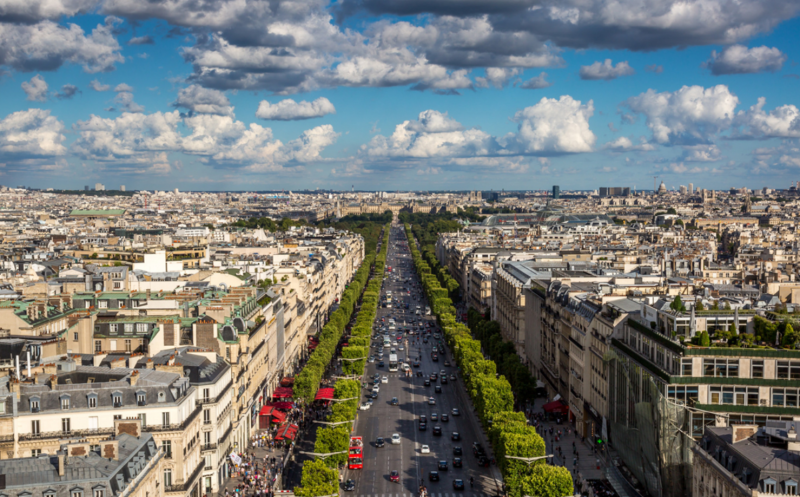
399 94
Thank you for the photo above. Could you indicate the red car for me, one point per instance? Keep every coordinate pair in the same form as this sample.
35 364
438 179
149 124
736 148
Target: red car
395 477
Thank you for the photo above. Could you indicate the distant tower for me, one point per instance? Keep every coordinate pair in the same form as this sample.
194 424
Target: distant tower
556 192
748 207
122 188
691 188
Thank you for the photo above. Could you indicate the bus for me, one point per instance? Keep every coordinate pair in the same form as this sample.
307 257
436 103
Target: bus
355 457
392 362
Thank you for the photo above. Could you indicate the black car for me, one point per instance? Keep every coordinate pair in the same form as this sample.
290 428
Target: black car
457 451
477 448
434 417
455 436
458 484
416 364
434 376
483 461
374 395
438 389
423 419
427 383
380 364
433 476
445 418
442 465
435 358
437 430
349 485
423 427
380 442
395 402
444 380
457 462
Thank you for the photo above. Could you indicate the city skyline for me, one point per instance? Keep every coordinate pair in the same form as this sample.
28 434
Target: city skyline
369 95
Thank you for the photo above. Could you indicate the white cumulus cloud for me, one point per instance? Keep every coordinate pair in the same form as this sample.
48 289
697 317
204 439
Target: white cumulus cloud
32 133
537 83
738 59
35 89
556 126
98 86
289 110
201 100
781 122
606 70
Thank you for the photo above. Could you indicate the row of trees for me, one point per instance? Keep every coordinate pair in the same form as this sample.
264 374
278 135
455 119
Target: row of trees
493 398
321 477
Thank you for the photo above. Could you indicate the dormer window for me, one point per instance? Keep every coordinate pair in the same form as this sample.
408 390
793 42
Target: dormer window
117 399
91 400
65 403
35 404
141 398
790 487
768 485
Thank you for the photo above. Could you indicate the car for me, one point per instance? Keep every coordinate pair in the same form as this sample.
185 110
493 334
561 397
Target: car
425 449
455 436
349 485
373 395
477 448
437 430
376 388
365 406
416 364
434 376
427 383
423 419
438 389
376 381
435 358
433 476
442 465
423 426
445 417
483 461
444 380
452 377
431 401
401 348
457 451
395 402
447 363
380 364
424 340
376 376
385 379
455 412
458 462
434 417
371 359
380 442
394 476
458 484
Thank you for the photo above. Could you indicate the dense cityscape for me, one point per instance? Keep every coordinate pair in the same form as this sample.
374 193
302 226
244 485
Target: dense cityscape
605 342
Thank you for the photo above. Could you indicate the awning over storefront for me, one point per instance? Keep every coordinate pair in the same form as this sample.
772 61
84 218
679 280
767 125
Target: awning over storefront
279 416
287 382
285 406
324 394
282 392
555 406
266 411
287 431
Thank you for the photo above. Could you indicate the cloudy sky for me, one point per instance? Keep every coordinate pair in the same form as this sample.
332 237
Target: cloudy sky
399 94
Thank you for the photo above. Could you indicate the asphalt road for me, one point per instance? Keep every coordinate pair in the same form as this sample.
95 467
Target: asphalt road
383 419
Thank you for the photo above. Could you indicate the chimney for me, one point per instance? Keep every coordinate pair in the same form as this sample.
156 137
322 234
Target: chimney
61 463
743 432
121 362
134 378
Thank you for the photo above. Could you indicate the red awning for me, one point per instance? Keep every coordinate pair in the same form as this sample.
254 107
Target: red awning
282 392
281 405
555 406
266 410
324 394
286 430
279 416
287 382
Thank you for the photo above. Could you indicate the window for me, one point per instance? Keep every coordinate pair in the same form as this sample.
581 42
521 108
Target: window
167 446
768 485
785 397
721 368
35 427
206 416
75 336
128 327
165 419
686 367
788 370
167 477
141 398
790 487
207 438
740 396
206 394
92 402
117 399
113 328
35 405
98 346
64 403
757 369
37 453
65 425
102 304
141 327
98 493
127 345
76 493
143 418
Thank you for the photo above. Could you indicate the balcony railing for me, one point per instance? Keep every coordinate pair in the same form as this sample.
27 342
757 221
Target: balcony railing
207 447
65 434
173 426
185 486
214 400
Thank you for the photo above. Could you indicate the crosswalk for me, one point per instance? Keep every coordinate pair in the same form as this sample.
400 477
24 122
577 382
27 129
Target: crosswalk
430 494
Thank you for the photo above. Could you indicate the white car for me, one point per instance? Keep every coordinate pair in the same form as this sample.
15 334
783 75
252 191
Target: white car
431 401
385 379
425 449
377 389
396 439
365 406
400 348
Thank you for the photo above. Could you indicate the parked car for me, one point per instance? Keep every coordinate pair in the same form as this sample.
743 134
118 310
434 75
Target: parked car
380 442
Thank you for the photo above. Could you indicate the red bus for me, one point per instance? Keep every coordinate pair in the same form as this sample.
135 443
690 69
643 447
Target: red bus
355 457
